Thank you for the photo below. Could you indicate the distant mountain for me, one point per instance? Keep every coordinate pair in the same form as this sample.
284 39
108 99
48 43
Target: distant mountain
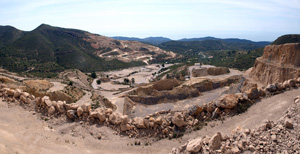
160 40
228 40
196 45
198 39
292 38
151 40
49 49
9 34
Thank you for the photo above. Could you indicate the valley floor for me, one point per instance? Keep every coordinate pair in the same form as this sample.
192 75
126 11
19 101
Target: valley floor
24 131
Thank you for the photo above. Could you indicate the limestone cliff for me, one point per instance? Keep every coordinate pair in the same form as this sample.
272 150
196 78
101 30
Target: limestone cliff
278 63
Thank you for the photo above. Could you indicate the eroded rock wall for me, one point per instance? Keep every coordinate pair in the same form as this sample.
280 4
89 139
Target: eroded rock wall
278 63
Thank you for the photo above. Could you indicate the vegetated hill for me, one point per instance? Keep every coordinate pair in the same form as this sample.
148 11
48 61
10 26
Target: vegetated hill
150 40
292 38
49 49
229 40
198 39
9 34
194 47
241 60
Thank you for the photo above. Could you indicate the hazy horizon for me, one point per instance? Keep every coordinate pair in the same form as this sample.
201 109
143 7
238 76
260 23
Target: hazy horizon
253 20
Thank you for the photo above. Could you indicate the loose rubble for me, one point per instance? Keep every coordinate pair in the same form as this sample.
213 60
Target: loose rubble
281 136
162 124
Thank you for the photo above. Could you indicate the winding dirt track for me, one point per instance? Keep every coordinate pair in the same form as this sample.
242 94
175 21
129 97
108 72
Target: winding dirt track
23 132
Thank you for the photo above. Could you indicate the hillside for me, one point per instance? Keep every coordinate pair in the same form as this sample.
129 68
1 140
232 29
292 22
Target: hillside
150 40
233 53
53 49
203 45
9 34
295 38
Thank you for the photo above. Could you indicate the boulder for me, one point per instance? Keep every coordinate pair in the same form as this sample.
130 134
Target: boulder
235 150
26 94
288 124
86 107
147 123
268 125
286 84
215 141
42 100
261 92
297 80
54 103
71 114
253 93
17 93
158 120
124 119
10 92
228 101
72 106
108 111
125 127
195 110
98 114
60 107
292 82
209 107
115 118
32 97
195 145
101 116
139 122
79 111
25 99
48 103
178 119
271 88
279 86
51 110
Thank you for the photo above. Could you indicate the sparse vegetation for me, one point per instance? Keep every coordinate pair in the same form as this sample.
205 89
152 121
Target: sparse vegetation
94 75
126 81
70 83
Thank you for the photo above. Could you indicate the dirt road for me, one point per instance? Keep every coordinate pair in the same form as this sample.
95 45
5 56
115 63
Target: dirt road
23 132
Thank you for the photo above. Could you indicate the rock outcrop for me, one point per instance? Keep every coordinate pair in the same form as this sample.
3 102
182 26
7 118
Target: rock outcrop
278 63
209 71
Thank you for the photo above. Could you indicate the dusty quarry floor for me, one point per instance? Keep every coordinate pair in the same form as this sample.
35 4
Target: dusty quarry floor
24 131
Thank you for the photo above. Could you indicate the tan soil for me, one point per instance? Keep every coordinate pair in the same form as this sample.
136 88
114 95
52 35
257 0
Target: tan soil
38 84
23 132
57 86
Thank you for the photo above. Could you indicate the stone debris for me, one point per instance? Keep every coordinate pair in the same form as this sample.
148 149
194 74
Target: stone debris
178 119
166 124
281 136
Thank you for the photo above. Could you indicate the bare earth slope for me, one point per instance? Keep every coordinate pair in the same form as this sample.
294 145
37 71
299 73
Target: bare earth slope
278 63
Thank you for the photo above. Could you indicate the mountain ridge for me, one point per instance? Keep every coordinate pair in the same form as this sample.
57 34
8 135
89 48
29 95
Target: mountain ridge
159 40
49 49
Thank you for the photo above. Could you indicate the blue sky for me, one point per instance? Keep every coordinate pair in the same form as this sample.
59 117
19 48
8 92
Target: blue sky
258 20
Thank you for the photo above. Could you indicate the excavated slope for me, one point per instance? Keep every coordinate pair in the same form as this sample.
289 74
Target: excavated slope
278 63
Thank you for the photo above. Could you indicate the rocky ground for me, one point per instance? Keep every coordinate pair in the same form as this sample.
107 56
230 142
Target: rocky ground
278 136
88 127
20 126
